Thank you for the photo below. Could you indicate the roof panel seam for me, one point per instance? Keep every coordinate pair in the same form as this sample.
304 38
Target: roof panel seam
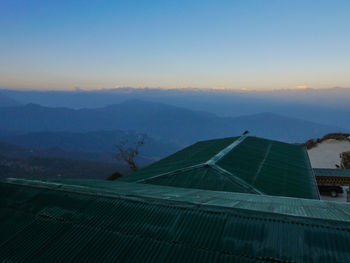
237 180
185 169
262 163
225 151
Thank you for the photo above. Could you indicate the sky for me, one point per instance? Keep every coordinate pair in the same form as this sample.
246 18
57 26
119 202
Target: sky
247 44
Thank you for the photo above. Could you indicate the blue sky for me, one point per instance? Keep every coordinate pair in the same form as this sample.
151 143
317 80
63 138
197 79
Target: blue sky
257 44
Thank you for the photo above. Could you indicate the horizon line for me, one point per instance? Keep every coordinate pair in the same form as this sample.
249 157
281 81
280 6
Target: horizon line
184 88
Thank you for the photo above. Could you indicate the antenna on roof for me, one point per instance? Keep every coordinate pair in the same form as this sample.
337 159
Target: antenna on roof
246 132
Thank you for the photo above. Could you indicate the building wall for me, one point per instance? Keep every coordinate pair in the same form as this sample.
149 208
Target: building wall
327 153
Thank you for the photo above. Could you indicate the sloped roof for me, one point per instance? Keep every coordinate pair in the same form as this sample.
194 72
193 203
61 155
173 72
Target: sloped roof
72 220
238 164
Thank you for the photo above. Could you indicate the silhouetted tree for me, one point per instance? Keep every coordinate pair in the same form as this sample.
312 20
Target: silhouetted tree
128 153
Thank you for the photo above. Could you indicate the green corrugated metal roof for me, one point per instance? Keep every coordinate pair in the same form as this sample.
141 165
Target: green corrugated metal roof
193 155
332 172
262 203
169 211
101 221
245 164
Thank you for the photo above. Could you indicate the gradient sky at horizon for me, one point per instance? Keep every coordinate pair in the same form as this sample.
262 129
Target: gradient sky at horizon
250 44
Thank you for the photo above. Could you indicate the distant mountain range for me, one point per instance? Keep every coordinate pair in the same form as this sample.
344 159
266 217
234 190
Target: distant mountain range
57 142
336 97
326 106
163 122
46 142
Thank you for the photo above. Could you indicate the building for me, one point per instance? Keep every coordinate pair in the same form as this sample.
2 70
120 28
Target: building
241 199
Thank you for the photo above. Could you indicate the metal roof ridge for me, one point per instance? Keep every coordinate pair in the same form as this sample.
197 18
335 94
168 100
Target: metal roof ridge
47 184
223 152
236 179
185 169
143 198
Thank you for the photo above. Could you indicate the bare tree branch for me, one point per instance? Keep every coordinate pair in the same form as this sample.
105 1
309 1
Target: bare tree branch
128 154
